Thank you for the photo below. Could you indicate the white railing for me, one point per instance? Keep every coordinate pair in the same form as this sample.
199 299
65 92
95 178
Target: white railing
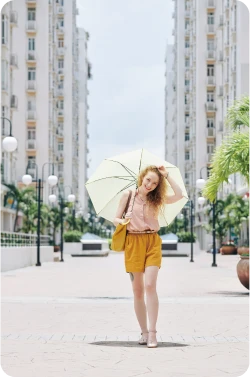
210 3
13 17
60 112
31 144
14 102
31 115
31 25
31 56
211 80
60 50
60 91
32 172
60 71
210 28
211 54
210 106
60 10
13 60
210 132
11 239
31 85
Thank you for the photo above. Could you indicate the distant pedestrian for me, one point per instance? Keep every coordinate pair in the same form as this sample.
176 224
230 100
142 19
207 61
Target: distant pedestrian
143 244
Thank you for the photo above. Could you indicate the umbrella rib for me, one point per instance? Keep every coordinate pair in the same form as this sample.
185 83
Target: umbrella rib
125 178
124 188
127 169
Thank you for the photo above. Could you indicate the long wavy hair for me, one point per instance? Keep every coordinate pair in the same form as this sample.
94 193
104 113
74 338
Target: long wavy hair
155 198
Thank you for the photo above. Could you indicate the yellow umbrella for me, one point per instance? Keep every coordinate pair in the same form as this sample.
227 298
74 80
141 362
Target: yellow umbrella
119 173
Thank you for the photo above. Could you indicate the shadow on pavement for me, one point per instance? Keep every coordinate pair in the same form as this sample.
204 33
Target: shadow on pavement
135 344
230 293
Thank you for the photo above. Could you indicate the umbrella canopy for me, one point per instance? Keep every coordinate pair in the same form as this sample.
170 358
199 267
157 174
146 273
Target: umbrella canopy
119 173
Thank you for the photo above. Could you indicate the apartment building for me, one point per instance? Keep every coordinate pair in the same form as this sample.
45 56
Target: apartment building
40 92
210 68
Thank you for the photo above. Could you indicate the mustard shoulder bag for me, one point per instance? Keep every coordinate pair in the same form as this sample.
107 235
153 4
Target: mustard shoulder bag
119 236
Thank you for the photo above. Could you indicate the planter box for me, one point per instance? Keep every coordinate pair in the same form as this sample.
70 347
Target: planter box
19 257
243 271
178 249
87 248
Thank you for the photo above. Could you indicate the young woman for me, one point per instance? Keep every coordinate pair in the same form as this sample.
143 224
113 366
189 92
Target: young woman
143 244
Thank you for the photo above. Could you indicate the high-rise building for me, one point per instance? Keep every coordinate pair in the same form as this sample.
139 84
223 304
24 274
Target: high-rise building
211 70
43 95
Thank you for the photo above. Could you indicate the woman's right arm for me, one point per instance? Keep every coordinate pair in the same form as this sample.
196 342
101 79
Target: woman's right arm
120 210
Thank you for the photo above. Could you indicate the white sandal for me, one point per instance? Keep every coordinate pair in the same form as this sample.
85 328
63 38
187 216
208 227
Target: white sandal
150 343
143 340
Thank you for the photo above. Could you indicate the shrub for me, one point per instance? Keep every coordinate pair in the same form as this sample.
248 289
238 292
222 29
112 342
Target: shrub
186 237
72 236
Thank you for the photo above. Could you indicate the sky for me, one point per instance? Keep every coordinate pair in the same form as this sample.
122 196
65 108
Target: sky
126 48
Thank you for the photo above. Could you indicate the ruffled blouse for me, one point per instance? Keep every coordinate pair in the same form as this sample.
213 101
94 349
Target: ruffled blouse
142 215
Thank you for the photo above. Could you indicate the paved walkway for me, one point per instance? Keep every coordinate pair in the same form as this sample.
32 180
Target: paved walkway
76 319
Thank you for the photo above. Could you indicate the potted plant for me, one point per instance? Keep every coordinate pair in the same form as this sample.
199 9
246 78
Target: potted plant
244 248
243 269
228 248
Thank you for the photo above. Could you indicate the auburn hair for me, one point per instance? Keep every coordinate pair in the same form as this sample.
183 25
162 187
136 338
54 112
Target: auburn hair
155 198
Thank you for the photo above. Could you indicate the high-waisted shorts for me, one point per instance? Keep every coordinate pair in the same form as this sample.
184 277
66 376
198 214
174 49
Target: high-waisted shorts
142 250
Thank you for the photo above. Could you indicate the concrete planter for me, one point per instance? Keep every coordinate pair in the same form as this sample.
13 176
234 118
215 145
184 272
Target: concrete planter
243 270
178 249
243 250
87 248
19 257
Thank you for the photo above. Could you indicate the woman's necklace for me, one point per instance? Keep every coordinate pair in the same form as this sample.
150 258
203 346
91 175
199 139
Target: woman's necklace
144 200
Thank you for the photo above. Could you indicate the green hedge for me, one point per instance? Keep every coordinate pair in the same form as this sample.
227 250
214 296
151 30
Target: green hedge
72 236
186 237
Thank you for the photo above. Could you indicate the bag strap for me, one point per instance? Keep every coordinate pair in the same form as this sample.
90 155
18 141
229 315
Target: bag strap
126 208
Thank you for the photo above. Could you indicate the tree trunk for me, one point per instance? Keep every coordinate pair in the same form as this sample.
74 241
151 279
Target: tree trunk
15 223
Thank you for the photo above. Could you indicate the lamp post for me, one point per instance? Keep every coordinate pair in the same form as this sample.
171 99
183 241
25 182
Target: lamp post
10 142
71 199
200 183
27 179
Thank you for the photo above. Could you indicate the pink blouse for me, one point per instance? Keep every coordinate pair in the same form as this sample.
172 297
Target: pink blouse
142 216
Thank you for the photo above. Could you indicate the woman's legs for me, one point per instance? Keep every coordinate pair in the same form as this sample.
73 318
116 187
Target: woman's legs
139 303
151 274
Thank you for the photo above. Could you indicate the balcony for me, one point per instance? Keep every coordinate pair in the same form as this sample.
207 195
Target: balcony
60 29
13 18
60 155
60 51
211 4
220 94
221 21
210 106
187 13
187 88
31 86
210 55
31 26
210 29
13 61
60 113
31 115
187 32
210 80
187 107
187 144
187 51
32 172
60 92
31 57
209 157
13 102
31 145
210 132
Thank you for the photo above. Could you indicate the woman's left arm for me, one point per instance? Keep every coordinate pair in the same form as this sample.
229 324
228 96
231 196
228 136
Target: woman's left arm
176 188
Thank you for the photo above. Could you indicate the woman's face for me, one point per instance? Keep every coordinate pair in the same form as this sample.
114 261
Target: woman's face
150 182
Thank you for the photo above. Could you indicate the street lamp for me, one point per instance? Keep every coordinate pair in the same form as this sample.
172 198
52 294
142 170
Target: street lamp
200 183
71 199
10 142
27 179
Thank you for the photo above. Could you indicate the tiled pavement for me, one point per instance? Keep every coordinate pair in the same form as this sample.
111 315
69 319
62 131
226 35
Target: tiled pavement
76 319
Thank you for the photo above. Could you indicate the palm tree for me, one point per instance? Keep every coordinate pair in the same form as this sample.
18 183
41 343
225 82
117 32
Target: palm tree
20 196
232 156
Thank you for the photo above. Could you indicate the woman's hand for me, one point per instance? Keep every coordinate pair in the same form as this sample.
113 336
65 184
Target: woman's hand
162 170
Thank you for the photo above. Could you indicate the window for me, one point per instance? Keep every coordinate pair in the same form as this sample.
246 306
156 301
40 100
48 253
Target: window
186 99
186 118
187 155
210 69
187 136
60 42
60 63
210 18
187 44
31 161
4 75
31 74
187 63
4 29
210 122
60 104
187 82
60 146
210 148
31 44
31 134
61 22
210 44
210 96
31 14
31 105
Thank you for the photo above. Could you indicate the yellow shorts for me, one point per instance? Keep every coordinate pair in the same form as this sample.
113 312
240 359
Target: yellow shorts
142 250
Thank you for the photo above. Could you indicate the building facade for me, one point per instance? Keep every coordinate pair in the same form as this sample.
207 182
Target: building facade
42 93
211 70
